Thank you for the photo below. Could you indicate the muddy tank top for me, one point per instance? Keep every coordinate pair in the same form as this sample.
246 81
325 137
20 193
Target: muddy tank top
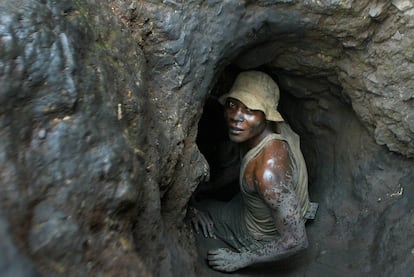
257 215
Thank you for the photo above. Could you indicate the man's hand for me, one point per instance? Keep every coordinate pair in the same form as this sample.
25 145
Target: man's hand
203 220
223 259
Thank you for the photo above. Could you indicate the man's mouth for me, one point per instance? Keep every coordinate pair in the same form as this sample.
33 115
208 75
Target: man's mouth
235 130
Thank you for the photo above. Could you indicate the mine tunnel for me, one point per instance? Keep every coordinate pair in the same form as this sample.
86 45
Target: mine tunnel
315 108
312 101
106 106
336 146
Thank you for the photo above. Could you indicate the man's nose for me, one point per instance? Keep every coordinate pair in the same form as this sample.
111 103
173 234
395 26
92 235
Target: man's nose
237 115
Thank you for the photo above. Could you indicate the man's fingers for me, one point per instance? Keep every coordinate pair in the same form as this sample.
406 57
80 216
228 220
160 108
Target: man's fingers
207 225
205 231
222 259
223 268
213 257
217 268
210 229
217 251
220 266
214 263
202 222
195 225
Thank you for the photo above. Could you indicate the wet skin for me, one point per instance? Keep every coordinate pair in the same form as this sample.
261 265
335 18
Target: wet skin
244 125
269 175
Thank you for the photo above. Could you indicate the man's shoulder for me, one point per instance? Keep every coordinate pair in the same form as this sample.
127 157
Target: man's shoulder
274 156
275 147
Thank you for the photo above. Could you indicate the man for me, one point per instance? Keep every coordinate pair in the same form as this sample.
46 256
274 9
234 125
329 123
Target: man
266 221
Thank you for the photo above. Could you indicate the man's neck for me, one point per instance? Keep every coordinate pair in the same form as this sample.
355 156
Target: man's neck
246 146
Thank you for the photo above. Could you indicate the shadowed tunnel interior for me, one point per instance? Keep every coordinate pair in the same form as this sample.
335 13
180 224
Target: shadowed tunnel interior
331 140
308 115
106 107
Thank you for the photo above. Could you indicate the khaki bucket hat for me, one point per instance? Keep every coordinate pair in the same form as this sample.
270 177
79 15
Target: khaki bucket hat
257 91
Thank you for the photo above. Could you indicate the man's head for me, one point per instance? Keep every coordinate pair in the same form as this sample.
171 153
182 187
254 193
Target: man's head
244 125
257 91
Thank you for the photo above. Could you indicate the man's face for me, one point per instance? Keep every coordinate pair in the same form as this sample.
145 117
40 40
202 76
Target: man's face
244 125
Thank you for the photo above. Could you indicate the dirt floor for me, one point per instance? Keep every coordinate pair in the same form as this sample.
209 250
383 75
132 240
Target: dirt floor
322 258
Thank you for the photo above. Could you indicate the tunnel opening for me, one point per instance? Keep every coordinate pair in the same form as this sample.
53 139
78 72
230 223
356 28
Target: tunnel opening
334 143
357 182
308 114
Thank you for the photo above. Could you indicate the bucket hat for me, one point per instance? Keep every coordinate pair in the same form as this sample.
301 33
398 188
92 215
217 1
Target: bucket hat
257 91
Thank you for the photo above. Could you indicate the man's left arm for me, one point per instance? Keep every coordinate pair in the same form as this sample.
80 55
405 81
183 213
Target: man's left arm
273 184
290 226
286 212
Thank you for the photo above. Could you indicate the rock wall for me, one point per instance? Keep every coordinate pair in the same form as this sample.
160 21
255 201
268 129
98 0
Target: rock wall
73 121
100 104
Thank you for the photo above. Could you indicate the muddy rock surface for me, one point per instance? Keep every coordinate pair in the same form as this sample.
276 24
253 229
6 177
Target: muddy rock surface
104 108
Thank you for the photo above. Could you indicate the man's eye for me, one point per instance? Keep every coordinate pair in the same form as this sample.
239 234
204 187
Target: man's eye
231 104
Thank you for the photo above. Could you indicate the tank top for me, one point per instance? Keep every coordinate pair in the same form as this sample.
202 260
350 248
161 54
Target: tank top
257 215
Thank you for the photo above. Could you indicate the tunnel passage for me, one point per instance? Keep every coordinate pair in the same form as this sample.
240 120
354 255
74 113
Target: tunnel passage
337 148
315 117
